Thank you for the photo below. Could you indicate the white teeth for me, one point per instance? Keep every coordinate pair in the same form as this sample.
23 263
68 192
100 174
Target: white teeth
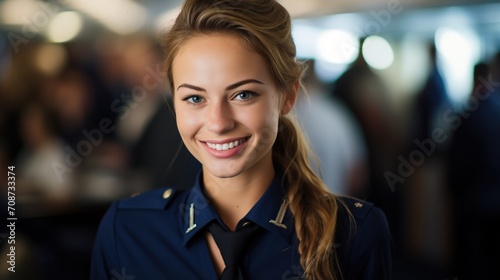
225 146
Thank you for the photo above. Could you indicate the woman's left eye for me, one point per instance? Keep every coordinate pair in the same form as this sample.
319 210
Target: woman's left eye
244 95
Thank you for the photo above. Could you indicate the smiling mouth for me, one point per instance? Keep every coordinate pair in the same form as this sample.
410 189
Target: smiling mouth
226 146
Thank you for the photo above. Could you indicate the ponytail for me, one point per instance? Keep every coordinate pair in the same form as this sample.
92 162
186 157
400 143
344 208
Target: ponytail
313 207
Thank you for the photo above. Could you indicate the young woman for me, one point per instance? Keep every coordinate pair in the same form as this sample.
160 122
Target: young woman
232 71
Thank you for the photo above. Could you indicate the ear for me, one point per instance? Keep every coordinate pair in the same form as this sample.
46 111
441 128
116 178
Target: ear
290 98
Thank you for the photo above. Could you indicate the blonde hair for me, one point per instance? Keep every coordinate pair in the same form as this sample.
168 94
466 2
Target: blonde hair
265 27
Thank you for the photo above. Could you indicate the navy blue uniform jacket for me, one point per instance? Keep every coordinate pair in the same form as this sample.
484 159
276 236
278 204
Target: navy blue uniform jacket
160 234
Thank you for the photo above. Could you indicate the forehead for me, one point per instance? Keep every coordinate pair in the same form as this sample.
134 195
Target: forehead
218 58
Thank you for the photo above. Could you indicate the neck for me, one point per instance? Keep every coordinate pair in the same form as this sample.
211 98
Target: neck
234 197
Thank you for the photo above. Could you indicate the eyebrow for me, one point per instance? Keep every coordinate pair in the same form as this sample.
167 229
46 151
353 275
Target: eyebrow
230 87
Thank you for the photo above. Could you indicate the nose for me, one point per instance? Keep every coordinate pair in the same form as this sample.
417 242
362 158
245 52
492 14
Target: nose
219 118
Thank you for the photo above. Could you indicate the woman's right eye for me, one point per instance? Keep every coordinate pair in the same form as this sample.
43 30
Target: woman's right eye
194 99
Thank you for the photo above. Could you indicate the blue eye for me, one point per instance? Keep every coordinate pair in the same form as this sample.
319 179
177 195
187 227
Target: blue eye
195 99
244 95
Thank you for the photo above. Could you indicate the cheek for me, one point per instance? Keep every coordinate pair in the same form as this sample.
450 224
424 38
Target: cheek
186 122
269 132
272 115
262 120
187 129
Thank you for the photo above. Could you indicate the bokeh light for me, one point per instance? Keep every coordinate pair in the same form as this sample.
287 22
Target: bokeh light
64 27
377 52
120 16
305 38
459 51
50 58
337 46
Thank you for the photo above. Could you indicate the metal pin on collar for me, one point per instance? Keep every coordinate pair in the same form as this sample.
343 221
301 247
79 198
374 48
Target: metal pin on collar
281 214
192 225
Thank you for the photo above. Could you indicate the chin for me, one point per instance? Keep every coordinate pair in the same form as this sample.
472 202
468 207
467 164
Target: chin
224 172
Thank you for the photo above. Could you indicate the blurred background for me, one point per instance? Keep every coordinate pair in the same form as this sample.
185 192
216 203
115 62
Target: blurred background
403 110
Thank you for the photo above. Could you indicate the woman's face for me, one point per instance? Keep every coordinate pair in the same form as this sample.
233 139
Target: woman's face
227 105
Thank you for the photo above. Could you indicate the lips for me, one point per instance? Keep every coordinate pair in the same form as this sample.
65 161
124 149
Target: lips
224 146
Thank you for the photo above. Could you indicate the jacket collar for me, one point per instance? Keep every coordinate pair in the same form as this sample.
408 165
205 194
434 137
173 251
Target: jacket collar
197 212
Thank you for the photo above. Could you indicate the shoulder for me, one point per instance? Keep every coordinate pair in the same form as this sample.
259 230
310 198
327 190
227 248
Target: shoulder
145 208
363 239
361 220
359 209
133 208
134 218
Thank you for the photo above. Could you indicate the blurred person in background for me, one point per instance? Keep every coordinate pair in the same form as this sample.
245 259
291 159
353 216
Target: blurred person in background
45 116
19 82
71 96
335 137
432 100
364 93
474 178
42 147
426 201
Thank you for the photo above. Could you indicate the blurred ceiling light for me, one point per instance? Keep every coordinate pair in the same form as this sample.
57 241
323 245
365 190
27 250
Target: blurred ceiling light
64 27
337 46
17 12
451 44
459 51
377 52
120 16
166 20
328 72
414 62
305 38
50 58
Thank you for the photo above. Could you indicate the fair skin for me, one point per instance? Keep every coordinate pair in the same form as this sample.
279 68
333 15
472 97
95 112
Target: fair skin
227 108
